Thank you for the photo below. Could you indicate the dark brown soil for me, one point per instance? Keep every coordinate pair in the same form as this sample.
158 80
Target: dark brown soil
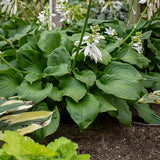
113 141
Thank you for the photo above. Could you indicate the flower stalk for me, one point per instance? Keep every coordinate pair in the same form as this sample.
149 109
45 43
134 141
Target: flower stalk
135 26
130 10
83 32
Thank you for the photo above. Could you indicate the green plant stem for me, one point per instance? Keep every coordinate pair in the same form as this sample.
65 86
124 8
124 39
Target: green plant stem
129 13
152 19
114 13
26 6
8 41
15 69
83 32
135 26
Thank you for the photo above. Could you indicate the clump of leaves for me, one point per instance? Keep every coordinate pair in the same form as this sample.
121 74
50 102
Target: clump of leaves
17 147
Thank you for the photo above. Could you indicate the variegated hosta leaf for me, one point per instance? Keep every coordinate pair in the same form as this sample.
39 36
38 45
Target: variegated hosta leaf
12 105
26 122
1 135
151 98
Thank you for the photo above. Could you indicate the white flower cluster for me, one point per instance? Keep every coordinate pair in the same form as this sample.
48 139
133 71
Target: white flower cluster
9 6
91 49
137 42
153 5
43 18
112 33
62 7
116 5
101 2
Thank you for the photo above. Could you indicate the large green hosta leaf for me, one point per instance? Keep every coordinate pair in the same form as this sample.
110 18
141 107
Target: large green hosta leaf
59 56
26 122
56 94
106 57
128 54
85 111
49 41
111 46
34 91
58 70
68 44
31 61
121 80
123 113
86 76
32 77
105 105
9 81
72 88
145 112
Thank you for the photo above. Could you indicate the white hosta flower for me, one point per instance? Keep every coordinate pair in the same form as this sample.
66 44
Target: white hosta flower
111 32
101 1
92 51
91 40
117 5
142 1
95 28
118 38
97 37
42 17
9 6
62 7
138 47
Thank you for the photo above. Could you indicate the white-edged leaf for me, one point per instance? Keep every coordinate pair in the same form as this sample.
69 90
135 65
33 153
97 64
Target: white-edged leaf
26 122
50 128
1 136
7 106
151 98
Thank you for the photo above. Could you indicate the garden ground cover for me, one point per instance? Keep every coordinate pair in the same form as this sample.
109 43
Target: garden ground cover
114 141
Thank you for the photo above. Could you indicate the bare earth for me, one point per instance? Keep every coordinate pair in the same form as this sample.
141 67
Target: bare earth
113 141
